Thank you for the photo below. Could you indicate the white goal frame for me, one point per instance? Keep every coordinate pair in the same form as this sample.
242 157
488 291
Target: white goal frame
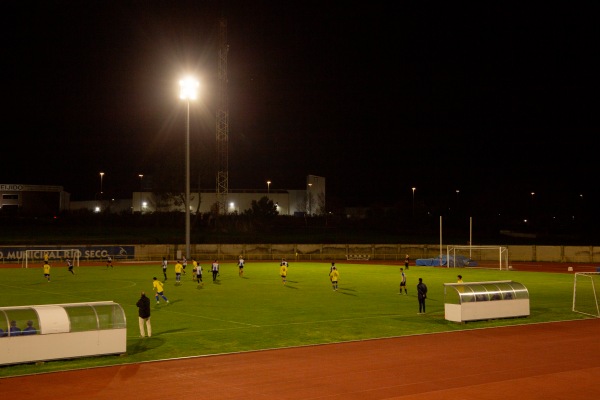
497 254
37 256
589 280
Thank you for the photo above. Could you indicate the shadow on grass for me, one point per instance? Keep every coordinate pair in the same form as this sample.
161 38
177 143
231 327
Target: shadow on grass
163 304
143 345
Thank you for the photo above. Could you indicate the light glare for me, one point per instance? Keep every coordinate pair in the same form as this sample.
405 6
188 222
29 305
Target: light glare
188 89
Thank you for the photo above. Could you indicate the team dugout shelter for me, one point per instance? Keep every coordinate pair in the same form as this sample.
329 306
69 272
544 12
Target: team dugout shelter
33 200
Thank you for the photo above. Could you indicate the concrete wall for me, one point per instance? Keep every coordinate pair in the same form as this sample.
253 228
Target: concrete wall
384 252
309 252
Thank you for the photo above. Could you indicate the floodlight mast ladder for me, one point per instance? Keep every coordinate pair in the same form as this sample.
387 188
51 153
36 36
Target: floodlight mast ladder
222 122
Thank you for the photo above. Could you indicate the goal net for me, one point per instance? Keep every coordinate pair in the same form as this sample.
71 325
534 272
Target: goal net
585 293
477 256
54 256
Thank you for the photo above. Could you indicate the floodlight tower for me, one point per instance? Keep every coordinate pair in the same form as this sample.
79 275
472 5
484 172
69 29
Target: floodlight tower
222 122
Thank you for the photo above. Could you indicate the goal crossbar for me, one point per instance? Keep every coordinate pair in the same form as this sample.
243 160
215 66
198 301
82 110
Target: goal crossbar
38 256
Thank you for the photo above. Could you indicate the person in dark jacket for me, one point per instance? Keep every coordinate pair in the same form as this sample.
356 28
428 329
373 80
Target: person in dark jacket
421 295
29 329
144 314
13 329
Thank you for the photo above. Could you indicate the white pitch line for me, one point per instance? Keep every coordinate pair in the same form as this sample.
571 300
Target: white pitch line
215 319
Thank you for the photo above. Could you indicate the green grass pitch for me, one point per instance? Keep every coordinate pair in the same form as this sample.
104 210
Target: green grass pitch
257 311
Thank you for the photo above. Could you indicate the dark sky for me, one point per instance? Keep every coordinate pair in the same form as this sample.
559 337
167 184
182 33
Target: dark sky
497 99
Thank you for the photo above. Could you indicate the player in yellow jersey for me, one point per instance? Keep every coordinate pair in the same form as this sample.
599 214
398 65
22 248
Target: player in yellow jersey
283 272
334 275
47 270
178 272
195 267
159 287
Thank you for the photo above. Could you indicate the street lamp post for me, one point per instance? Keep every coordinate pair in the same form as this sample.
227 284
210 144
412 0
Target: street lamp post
457 192
101 176
309 195
188 91
268 186
141 190
532 206
413 202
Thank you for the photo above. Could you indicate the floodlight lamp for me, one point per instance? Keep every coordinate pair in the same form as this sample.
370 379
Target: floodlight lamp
188 89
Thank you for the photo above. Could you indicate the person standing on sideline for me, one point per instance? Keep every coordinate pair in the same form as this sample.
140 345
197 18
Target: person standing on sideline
406 261
403 282
143 305
178 271
459 279
334 275
109 263
421 295
199 274
241 266
215 270
164 267
283 271
184 264
47 270
70 266
158 286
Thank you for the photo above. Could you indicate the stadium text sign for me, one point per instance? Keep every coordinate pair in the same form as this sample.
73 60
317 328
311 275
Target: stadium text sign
17 254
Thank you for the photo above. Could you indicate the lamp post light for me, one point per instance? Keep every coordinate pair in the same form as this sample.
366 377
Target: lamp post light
188 91
309 195
101 176
413 202
457 192
268 186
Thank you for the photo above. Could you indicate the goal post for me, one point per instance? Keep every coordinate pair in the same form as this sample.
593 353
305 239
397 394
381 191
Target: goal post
586 286
54 255
477 256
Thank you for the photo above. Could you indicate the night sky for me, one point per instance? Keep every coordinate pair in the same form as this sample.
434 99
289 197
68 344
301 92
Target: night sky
497 100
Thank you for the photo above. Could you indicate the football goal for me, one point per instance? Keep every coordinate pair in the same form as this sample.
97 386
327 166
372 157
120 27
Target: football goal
585 293
54 256
477 256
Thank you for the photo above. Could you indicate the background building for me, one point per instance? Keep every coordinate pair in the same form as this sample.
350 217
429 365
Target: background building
38 200
33 200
